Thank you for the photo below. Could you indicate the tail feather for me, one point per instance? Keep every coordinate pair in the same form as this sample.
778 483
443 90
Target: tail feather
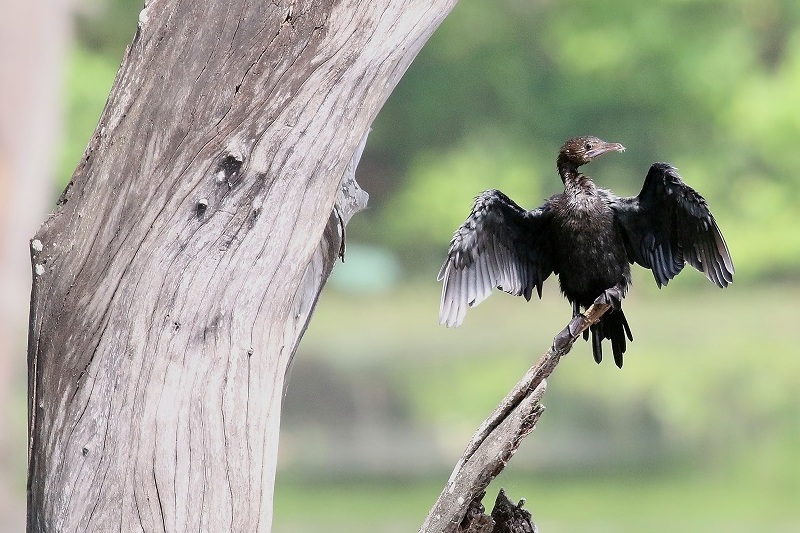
612 326
597 344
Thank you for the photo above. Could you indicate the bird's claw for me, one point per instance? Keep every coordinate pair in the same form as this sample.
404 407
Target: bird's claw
612 296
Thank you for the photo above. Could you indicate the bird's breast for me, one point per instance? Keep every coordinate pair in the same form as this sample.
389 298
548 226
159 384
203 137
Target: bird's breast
589 251
583 213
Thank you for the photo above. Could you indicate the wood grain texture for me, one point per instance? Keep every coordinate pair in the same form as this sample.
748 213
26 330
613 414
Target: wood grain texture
174 280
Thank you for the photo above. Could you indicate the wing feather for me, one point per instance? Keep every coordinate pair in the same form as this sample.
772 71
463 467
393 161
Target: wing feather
668 225
499 245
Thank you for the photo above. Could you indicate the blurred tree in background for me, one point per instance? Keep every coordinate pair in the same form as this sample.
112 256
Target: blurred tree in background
707 85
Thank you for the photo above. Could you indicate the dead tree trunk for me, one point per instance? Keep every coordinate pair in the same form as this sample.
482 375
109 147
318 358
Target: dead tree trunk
177 275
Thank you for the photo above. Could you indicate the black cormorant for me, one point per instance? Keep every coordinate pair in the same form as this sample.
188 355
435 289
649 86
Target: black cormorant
588 236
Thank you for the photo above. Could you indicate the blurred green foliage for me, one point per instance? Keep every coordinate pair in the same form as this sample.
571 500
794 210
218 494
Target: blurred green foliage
708 85
88 79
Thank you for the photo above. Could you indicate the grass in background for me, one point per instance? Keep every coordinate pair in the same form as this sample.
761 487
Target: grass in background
687 502
708 399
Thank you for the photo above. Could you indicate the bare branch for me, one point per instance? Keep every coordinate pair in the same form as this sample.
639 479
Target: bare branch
499 436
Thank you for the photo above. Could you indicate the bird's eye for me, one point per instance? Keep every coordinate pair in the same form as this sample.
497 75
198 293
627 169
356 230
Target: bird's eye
588 146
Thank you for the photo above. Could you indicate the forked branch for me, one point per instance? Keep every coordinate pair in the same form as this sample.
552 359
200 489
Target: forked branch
499 436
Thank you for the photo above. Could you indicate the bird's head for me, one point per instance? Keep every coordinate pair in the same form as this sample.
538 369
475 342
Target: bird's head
581 150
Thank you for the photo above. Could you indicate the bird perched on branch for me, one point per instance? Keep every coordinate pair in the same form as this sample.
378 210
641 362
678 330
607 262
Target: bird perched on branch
588 236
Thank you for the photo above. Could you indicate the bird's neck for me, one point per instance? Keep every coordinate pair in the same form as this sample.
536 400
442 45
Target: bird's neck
572 178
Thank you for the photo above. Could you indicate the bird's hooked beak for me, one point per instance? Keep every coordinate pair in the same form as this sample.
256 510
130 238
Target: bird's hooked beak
604 147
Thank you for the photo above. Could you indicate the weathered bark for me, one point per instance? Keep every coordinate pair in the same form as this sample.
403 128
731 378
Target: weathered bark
173 283
506 517
510 517
499 436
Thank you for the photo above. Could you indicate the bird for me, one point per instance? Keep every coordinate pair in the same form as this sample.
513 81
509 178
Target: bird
588 237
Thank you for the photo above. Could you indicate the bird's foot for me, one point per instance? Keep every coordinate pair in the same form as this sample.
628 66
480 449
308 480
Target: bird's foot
567 336
611 296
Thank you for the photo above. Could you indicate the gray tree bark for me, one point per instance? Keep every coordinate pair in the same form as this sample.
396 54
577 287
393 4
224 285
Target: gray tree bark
177 275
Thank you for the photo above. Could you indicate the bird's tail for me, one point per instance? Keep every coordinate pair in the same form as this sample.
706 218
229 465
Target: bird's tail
612 326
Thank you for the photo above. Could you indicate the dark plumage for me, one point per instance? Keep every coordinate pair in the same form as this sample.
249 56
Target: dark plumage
589 237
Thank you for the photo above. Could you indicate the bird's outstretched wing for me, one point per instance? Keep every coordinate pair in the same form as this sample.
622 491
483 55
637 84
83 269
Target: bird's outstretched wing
668 225
499 245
